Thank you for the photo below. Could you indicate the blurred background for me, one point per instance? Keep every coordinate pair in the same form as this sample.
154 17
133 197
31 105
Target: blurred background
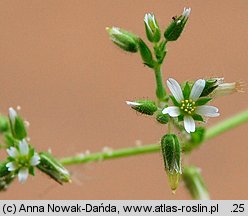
58 64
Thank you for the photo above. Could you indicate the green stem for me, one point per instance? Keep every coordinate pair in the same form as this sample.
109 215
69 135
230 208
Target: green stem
160 90
212 132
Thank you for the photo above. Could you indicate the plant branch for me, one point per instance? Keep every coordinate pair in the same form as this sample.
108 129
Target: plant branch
212 132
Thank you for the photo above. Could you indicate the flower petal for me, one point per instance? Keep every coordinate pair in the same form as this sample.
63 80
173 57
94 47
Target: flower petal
209 111
189 123
11 166
12 115
197 89
35 160
173 111
23 147
132 103
175 89
23 175
12 152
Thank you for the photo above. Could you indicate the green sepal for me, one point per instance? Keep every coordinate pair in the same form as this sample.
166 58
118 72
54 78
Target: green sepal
171 150
197 117
160 52
9 140
127 41
162 118
146 54
18 128
210 86
146 107
174 100
180 118
152 29
3 169
4 124
202 101
186 91
31 170
52 167
194 182
174 30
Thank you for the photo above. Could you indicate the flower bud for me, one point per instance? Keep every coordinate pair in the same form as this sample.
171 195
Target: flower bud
17 125
147 107
171 150
195 183
176 27
124 39
52 167
152 28
146 54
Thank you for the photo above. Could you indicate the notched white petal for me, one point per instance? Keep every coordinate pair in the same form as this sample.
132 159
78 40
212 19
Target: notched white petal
35 160
12 152
23 175
208 111
197 89
189 123
173 111
12 166
175 89
23 147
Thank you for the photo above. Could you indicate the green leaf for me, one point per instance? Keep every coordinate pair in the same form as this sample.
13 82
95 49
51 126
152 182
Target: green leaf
202 101
31 171
186 91
174 100
146 54
197 117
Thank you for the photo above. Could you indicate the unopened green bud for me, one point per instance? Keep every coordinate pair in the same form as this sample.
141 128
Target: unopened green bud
195 183
52 167
124 39
152 28
146 54
17 125
177 25
147 107
171 150
162 118
4 124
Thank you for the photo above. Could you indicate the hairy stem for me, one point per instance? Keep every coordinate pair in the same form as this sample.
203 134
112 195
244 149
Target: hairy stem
212 132
160 89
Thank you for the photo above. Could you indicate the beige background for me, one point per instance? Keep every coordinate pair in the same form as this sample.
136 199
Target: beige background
57 62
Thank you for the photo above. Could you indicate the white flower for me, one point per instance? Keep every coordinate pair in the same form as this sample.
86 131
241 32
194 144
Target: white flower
22 159
188 107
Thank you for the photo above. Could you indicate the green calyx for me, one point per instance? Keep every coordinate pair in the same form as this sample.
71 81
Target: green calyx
152 29
146 107
124 39
171 150
52 167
